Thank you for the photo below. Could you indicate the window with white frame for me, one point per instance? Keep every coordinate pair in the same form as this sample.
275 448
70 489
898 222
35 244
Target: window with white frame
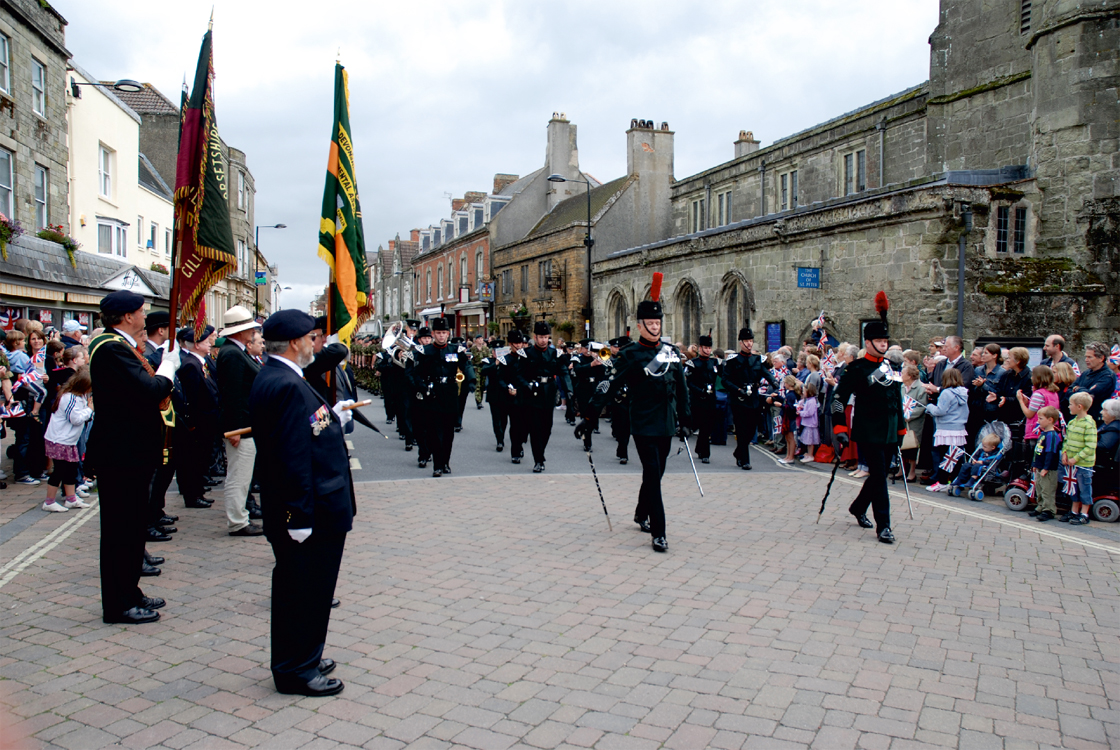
112 239
463 220
855 172
42 187
105 158
241 190
242 258
139 231
787 190
450 278
439 282
463 280
429 276
153 236
5 64
698 219
38 87
7 163
477 214
167 242
478 267
723 208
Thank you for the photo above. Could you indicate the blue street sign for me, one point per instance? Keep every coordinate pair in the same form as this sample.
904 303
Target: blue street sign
260 274
809 278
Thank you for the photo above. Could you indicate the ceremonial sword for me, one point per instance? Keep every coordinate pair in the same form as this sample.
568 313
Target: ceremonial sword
905 484
696 474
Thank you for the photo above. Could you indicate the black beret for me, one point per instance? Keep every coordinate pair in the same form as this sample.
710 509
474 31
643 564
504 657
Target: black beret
876 329
412 323
516 337
649 310
121 303
321 323
440 324
157 319
286 325
541 328
705 340
187 334
498 343
746 334
424 331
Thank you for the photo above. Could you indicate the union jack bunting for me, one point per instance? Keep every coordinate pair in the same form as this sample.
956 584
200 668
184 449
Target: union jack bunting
1069 483
12 413
908 405
949 463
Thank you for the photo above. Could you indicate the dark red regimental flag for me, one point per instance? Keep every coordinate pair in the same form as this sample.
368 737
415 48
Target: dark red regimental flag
203 236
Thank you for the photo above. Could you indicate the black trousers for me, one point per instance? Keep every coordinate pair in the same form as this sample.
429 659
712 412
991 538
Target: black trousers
874 491
499 418
389 394
653 452
123 492
540 430
441 435
620 431
157 498
420 424
518 430
195 453
303 583
705 416
463 395
406 406
746 425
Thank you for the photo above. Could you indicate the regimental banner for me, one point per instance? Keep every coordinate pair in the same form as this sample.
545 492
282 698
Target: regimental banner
342 243
204 249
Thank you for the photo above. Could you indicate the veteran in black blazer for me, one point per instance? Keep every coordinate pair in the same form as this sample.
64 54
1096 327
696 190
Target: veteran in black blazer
307 496
126 446
197 426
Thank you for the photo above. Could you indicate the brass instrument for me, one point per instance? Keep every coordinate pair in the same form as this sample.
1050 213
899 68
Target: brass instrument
605 354
459 378
399 346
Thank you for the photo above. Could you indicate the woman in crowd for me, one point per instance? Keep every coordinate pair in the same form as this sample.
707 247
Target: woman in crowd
1064 378
982 408
1017 379
912 389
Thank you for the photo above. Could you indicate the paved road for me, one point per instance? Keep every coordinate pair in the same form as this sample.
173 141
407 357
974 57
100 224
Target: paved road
508 616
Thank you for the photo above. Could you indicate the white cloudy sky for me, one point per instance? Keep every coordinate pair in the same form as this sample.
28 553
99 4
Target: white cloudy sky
443 95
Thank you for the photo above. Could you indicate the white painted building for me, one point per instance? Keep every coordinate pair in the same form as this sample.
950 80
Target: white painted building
119 204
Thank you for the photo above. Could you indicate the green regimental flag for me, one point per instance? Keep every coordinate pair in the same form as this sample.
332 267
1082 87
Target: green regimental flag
342 242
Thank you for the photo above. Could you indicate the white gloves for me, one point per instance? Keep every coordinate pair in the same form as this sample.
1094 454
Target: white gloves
343 416
299 535
169 365
333 338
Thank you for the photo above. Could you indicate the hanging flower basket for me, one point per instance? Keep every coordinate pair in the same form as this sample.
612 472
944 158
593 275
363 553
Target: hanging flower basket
9 230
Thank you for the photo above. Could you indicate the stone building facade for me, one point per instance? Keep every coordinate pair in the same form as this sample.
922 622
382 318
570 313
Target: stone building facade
393 279
1017 129
33 133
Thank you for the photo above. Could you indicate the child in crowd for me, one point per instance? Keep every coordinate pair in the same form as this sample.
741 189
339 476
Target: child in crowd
1078 455
71 413
1047 457
807 410
789 416
974 469
950 414
1044 393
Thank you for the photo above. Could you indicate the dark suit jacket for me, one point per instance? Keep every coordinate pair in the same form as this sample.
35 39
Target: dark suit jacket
236 373
305 478
128 430
329 357
200 390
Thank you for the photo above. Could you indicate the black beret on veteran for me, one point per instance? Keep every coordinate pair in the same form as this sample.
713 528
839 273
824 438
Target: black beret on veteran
287 325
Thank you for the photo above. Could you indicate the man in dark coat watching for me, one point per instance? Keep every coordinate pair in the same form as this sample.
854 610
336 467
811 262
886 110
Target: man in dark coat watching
308 500
236 372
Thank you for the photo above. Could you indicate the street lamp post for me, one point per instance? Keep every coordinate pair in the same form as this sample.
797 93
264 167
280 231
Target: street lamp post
587 241
257 263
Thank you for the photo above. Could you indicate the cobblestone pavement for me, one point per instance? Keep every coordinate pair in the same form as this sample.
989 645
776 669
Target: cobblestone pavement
500 612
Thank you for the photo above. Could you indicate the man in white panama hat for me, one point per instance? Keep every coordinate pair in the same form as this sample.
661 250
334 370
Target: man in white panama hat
236 372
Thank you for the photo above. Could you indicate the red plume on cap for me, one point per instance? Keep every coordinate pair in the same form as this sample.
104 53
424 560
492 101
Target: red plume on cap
655 290
882 304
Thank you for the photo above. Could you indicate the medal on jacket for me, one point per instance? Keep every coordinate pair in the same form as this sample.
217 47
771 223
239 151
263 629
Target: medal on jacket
320 420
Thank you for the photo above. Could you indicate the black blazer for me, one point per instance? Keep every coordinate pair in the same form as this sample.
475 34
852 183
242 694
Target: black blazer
236 373
153 354
200 390
128 430
305 478
329 357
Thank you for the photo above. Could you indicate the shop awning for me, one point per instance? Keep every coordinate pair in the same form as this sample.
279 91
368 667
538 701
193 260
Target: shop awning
430 311
471 307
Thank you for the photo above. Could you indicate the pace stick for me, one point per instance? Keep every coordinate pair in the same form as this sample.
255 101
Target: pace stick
601 500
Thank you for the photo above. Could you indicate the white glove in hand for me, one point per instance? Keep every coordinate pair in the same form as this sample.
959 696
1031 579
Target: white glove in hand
168 367
299 535
332 339
344 416
174 357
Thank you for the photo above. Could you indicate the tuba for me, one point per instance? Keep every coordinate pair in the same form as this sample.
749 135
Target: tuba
399 346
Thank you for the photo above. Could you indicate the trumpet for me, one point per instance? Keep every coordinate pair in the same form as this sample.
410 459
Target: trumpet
459 378
399 346
605 354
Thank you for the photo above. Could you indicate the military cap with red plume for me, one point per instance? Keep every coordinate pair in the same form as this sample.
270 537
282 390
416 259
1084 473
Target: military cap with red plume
651 308
878 329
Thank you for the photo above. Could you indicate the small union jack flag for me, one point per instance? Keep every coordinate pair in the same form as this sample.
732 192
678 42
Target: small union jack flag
777 425
820 321
908 405
39 357
12 413
1030 491
949 463
31 377
1069 483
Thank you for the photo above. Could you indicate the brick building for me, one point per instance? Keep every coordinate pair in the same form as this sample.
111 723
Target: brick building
392 279
1016 129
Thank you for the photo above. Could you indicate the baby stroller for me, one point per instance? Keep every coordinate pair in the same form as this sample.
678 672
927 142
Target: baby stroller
980 479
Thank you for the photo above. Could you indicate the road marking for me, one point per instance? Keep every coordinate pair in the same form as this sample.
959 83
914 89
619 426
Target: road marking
355 464
20 562
1037 529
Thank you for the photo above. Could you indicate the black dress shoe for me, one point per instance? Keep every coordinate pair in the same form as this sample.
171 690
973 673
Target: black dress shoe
152 602
152 559
660 545
149 570
745 466
458 429
643 525
255 514
155 535
421 464
197 503
437 473
167 519
861 519
250 530
886 537
335 603
134 616
326 666
408 447
446 469
515 460
1034 513
705 460
501 447
479 405
166 529
623 460
316 687
538 467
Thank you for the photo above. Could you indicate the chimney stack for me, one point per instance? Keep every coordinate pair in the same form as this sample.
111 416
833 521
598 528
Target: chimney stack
562 158
502 181
457 203
414 235
746 144
649 157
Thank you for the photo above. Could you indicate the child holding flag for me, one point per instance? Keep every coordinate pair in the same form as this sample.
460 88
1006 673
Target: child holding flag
1047 452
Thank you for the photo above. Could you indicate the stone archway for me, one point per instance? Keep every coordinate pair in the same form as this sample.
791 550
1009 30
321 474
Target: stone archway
617 314
687 313
736 305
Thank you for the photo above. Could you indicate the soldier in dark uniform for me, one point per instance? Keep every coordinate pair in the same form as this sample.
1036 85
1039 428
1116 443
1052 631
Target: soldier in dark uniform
126 445
619 409
587 371
701 374
403 386
383 363
489 369
307 496
518 415
535 378
458 342
741 375
419 424
197 425
443 373
658 408
878 425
